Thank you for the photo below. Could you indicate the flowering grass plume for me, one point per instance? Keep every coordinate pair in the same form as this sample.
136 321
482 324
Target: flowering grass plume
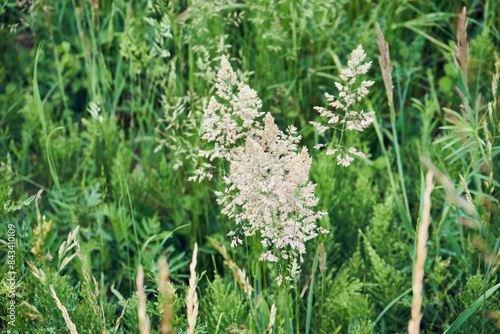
343 117
267 191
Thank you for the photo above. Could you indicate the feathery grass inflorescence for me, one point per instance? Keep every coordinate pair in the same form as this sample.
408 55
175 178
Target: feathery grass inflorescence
267 189
272 319
385 65
462 46
230 118
92 295
192 296
268 192
343 118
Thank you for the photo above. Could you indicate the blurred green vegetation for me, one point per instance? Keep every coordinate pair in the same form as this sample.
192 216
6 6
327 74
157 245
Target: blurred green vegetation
107 122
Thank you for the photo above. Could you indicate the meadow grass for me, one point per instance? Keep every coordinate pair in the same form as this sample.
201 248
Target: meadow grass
104 113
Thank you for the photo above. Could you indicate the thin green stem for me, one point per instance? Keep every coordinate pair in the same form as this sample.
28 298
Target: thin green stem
398 158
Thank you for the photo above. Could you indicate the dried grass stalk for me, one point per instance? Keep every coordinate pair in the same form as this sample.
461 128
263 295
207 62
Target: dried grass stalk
238 274
64 311
462 46
450 188
418 269
117 325
144 326
192 297
166 326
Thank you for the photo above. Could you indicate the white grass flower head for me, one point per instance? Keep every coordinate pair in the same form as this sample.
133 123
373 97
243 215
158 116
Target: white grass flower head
343 117
267 188
230 119
268 193
230 116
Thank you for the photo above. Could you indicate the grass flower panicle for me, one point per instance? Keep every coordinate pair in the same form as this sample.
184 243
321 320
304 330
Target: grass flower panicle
234 117
267 191
230 116
343 118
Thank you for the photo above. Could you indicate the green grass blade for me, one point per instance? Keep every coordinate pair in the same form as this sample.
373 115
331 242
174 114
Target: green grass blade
39 108
311 292
391 304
